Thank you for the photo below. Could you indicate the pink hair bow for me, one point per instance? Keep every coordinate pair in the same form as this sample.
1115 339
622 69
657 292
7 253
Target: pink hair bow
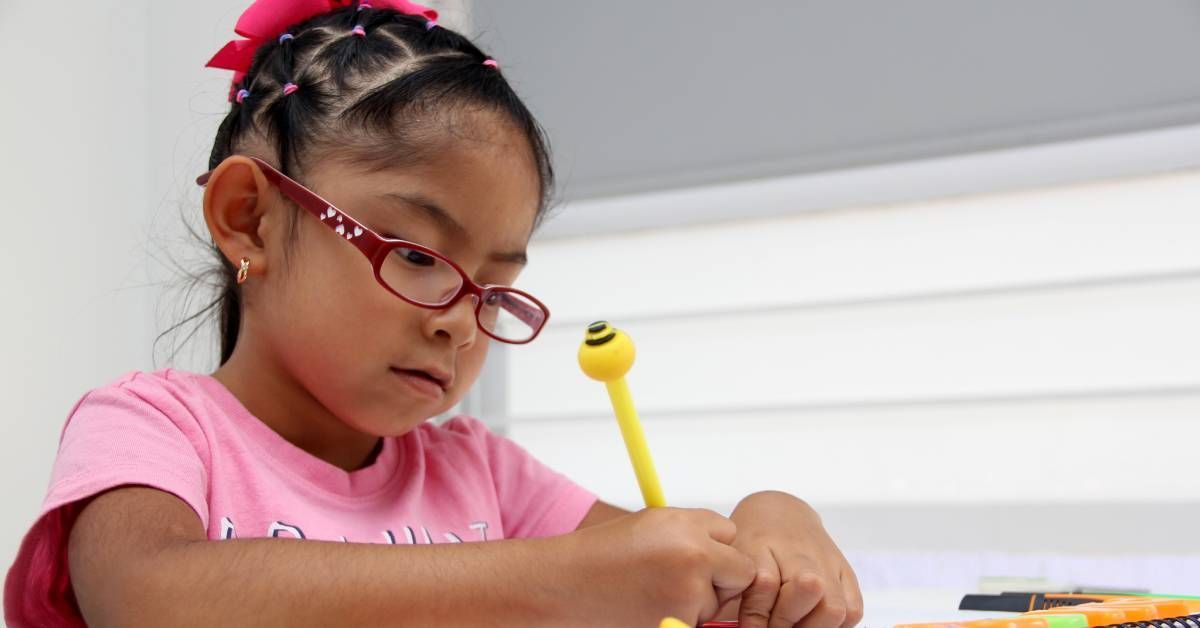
267 19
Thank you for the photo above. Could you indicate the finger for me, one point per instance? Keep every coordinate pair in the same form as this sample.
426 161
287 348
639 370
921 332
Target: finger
830 612
853 597
720 528
759 599
706 604
798 595
733 571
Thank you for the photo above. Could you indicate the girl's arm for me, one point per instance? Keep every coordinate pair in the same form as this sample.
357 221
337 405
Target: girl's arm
601 512
139 557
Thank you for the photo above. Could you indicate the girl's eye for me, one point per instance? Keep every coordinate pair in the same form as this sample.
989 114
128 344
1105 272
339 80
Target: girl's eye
493 299
417 258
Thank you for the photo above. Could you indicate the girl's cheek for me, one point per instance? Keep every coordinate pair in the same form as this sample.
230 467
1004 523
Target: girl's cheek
471 363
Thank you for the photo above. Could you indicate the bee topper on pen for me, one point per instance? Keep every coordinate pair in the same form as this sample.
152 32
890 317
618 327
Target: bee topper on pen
606 355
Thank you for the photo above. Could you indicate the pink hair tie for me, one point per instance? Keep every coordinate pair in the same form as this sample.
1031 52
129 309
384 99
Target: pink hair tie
241 95
491 63
363 5
430 25
289 89
358 31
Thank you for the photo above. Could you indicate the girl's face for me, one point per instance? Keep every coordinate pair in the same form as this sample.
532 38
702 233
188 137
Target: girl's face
368 358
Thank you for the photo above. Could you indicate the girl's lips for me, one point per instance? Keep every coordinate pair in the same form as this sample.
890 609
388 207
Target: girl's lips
421 382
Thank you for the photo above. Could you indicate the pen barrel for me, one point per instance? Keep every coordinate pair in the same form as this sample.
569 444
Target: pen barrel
635 443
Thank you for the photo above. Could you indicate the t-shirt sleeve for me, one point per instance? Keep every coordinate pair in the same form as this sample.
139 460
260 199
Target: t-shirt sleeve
535 500
118 436
113 437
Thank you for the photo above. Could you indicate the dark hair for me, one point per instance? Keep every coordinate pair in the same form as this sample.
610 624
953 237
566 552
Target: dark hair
367 98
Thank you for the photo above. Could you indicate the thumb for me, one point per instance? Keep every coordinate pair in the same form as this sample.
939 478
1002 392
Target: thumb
733 571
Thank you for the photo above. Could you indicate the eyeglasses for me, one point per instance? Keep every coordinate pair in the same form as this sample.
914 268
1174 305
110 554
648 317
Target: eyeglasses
418 274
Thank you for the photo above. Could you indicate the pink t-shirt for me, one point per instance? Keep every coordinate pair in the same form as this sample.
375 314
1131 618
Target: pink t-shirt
186 434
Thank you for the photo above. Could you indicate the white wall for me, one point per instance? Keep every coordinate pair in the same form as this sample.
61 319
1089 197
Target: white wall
74 170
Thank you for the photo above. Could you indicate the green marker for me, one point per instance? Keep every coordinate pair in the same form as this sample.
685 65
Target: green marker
1066 620
1162 595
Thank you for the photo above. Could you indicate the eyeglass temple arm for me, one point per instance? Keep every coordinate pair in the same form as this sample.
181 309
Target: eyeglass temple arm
526 313
365 240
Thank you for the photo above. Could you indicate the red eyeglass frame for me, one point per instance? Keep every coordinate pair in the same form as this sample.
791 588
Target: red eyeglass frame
376 248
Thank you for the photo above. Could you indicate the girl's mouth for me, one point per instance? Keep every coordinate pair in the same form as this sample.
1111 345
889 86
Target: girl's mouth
422 382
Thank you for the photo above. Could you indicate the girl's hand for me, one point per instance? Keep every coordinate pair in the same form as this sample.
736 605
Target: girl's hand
801 578
638 568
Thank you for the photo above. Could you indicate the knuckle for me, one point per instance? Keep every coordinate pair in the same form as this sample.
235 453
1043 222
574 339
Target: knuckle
669 521
808 585
766 580
704 515
687 558
686 518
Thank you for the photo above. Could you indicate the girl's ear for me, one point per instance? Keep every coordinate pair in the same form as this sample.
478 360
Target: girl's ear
237 198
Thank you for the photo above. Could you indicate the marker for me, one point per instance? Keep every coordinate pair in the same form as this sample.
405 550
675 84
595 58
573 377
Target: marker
1023 602
606 355
672 622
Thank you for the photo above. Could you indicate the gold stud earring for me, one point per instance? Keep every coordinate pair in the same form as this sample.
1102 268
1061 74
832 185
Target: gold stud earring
244 270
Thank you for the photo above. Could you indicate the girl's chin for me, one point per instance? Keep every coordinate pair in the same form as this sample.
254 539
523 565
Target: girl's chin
392 426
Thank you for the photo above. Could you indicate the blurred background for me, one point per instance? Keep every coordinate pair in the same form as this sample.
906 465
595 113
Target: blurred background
933 266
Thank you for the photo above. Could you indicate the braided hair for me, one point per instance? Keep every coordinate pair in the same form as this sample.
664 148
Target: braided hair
360 83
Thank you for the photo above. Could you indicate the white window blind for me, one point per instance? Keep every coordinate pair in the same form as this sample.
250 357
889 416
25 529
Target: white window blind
1027 347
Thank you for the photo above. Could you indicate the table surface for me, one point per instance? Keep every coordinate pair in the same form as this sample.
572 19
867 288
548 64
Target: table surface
883 609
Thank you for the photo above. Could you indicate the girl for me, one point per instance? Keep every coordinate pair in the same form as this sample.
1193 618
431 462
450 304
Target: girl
372 191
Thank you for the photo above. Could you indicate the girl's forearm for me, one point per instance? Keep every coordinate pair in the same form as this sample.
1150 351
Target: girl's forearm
286 582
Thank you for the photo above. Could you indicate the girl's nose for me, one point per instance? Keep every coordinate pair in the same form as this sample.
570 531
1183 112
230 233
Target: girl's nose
457 322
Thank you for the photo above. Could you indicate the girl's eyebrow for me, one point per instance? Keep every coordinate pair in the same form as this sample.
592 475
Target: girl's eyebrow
447 222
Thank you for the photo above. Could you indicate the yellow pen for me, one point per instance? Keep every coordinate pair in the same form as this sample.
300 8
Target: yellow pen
606 355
